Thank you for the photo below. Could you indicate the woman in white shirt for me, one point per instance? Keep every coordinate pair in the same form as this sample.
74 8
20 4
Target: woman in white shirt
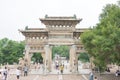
18 72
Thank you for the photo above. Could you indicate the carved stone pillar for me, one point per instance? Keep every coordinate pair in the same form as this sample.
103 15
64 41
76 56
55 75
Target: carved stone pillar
77 65
27 57
30 56
73 59
48 58
43 56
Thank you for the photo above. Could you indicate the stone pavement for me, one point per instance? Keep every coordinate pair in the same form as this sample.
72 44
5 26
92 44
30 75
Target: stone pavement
48 77
105 76
39 74
54 71
63 77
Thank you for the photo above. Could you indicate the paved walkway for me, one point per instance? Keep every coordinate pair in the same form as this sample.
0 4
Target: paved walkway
48 77
105 76
54 70
82 74
39 74
64 77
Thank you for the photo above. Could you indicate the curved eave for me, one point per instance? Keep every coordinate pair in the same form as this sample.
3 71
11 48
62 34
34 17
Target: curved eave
28 32
31 31
47 21
43 19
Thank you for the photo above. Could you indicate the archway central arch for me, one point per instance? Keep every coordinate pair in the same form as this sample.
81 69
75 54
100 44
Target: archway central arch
58 31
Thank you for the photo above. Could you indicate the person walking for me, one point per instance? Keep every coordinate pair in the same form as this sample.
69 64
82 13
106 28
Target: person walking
5 73
18 73
25 70
61 69
91 77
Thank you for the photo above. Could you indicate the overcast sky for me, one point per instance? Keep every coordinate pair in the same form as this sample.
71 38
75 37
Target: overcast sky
16 14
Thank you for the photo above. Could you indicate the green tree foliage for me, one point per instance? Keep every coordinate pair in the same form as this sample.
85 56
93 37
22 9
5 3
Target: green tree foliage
103 41
61 50
37 58
111 14
10 51
84 57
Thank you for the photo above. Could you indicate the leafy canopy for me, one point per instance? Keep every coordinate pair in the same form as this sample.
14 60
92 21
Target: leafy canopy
102 41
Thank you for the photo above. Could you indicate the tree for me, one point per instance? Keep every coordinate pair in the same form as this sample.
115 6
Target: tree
84 57
60 50
10 51
110 14
37 58
103 41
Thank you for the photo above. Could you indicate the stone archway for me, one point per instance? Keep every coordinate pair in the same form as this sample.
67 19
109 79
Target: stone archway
58 31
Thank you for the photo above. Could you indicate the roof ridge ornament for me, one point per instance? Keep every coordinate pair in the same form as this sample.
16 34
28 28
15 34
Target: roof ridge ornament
26 27
46 16
75 16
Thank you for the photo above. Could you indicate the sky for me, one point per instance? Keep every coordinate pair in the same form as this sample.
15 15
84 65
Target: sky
17 14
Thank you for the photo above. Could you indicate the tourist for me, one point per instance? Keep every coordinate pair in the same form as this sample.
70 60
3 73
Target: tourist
57 65
4 77
25 70
91 76
61 69
18 73
117 73
5 72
